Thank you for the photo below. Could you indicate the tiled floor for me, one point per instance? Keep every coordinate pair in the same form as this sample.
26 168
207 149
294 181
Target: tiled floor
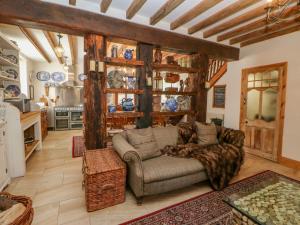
53 180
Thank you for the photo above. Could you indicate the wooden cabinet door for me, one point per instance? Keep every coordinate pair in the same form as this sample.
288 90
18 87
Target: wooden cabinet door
262 109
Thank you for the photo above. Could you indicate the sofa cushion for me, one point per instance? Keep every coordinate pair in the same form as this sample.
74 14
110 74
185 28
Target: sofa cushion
144 142
207 134
165 136
168 167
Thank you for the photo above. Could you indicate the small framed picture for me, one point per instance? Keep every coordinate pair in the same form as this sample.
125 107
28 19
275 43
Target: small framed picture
31 92
219 96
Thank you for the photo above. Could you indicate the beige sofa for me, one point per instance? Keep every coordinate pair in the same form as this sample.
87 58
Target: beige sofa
159 174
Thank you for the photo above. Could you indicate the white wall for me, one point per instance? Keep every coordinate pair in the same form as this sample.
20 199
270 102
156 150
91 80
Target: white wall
281 49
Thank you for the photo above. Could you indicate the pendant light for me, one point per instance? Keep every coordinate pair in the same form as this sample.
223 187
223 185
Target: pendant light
59 49
66 67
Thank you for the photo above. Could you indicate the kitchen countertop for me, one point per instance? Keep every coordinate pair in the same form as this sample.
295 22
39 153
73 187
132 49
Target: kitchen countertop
28 115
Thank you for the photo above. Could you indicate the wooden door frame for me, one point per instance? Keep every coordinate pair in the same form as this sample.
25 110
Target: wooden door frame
282 97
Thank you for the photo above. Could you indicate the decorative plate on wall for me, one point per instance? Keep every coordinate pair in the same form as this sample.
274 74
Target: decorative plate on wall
13 59
13 91
43 76
13 73
58 76
82 77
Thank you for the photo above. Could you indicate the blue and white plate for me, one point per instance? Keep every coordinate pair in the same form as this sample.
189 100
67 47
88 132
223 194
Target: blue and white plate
13 90
13 73
82 77
58 76
43 76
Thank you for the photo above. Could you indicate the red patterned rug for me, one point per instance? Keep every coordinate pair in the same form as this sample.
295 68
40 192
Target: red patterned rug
77 146
208 209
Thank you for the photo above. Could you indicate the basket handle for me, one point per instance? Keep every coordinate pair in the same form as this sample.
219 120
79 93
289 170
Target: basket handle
106 187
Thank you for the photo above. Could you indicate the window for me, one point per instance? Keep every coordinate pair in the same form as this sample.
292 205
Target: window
219 96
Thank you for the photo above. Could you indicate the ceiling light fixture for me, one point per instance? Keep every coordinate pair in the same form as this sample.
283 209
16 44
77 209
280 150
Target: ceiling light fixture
66 67
276 10
59 49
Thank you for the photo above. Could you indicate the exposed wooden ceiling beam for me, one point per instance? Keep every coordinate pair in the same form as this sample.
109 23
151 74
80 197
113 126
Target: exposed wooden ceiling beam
228 11
255 25
73 48
104 5
35 43
203 6
134 7
168 7
270 29
72 2
53 43
70 20
245 17
270 36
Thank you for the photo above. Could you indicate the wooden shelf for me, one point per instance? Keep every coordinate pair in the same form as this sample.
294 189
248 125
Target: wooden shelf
6 62
4 76
29 148
125 115
174 93
174 68
170 114
124 91
123 62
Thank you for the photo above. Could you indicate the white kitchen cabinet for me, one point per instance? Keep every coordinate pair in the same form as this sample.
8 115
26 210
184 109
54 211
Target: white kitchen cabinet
4 177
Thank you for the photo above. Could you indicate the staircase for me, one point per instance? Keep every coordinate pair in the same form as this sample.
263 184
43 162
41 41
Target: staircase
217 68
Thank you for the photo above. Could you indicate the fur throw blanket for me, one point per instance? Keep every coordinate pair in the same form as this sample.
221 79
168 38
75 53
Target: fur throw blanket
221 161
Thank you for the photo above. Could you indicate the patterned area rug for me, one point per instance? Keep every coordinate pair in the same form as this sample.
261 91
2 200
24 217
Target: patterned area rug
208 209
77 146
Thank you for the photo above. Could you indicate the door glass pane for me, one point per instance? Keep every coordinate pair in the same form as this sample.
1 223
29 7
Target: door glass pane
257 83
250 84
258 76
274 74
253 104
266 75
265 83
269 105
251 77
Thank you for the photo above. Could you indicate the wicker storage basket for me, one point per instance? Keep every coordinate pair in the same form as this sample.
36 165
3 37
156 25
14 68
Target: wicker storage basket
27 217
104 179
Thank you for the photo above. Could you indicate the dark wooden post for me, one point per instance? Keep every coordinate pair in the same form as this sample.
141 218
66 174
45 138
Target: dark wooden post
94 98
201 61
145 53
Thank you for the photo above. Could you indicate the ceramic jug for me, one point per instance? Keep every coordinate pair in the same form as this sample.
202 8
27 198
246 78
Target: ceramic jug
128 54
127 104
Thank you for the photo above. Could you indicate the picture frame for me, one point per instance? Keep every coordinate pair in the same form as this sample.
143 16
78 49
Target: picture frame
219 95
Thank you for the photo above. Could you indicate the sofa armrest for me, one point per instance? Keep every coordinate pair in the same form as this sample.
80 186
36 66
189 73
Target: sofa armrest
231 136
129 154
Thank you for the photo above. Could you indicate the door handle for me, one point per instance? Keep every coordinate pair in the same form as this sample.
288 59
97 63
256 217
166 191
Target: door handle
246 122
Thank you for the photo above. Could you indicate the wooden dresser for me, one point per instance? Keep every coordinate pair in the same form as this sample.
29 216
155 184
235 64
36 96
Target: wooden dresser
44 124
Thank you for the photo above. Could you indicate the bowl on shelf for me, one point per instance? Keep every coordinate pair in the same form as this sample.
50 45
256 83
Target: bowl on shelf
172 78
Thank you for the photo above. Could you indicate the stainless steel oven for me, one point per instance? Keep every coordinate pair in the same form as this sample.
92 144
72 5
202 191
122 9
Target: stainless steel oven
76 126
75 116
62 124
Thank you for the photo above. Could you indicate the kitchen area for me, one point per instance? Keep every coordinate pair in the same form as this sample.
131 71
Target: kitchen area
41 91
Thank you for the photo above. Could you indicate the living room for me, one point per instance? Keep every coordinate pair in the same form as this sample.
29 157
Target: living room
187 112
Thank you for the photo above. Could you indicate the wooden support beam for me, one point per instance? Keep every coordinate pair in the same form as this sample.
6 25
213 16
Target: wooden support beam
165 10
35 43
228 11
134 7
266 30
201 61
73 48
94 97
53 43
255 25
104 5
72 2
70 20
145 53
202 7
270 36
245 17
